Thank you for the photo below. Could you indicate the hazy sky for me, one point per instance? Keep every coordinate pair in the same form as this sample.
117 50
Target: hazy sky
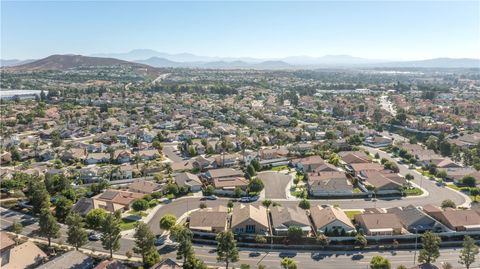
376 29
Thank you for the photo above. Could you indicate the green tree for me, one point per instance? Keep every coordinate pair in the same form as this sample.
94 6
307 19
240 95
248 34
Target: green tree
323 240
304 204
168 221
288 263
379 262
76 234
294 233
255 185
209 190
95 218
256 164
202 205
361 240
140 205
227 251
111 233
448 204
469 181
251 171
17 228
63 206
49 227
183 236
260 239
431 245
152 257
39 197
145 243
469 252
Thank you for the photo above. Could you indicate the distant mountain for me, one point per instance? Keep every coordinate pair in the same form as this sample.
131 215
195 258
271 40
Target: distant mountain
14 62
162 62
63 62
435 63
336 60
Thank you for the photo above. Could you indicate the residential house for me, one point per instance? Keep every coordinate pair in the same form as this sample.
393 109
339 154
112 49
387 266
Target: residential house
209 220
377 141
122 156
111 264
89 174
379 223
150 154
6 242
94 158
73 260
356 168
223 173
415 220
25 255
249 219
331 220
351 157
455 219
375 180
313 164
331 183
285 217
167 264
73 154
190 181
144 186
112 200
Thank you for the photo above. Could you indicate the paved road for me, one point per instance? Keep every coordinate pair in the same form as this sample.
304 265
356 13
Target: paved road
318 259
275 184
172 153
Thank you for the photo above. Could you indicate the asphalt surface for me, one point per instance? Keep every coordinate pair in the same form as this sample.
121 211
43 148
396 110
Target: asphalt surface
275 184
172 153
319 259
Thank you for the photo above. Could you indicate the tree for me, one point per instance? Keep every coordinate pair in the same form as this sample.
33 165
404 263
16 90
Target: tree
288 263
251 171
39 197
230 204
172 188
111 233
95 218
152 257
227 250
237 192
76 234
209 190
323 240
361 240
256 164
294 233
202 205
183 236
475 192
469 181
17 228
448 203
409 177
260 239
49 227
431 245
145 243
304 204
63 206
255 185
140 204
469 252
167 221
379 262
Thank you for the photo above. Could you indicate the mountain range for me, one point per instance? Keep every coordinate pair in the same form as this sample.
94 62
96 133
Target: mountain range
150 58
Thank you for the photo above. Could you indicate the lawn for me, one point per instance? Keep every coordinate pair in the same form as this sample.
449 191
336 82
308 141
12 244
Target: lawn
357 190
127 224
413 192
351 214
279 168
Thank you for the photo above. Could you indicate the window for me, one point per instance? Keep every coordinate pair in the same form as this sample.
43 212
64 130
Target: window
250 228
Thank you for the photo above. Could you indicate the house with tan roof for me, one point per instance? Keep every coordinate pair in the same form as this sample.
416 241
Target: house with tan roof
329 183
22 256
249 219
330 220
455 219
285 217
379 223
379 182
112 200
190 181
210 220
144 186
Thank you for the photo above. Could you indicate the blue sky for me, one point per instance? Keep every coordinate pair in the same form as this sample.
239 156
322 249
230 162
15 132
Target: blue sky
378 29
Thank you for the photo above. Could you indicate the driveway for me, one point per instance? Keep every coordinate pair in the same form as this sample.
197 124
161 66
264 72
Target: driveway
275 184
172 153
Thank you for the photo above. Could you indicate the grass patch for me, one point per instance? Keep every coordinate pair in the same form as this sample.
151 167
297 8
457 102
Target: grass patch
137 213
279 168
413 192
357 190
8 204
127 224
351 214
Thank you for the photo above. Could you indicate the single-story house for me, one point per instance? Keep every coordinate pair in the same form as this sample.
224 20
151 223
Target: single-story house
331 220
249 219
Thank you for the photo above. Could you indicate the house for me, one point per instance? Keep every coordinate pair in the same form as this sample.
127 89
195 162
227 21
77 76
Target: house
189 181
331 220
150 154
83 206
73 154
89 174
415 220
379 223
355 168
350 157
285 217
377 141
181 166
227 160
167 264
223 173
112 200
227 185
210 220
309 164
94 158
111 264
375 180
73 259
22 256
144 186
122 155
6 242
329 183
249 219
455 219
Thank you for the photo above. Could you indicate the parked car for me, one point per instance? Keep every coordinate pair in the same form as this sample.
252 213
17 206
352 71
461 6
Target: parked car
245 199
94 236
160 240
211 197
